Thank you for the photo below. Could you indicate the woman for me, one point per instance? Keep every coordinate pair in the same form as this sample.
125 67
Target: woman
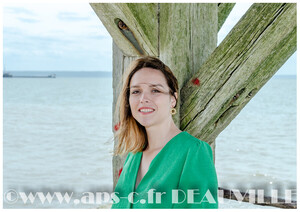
165 167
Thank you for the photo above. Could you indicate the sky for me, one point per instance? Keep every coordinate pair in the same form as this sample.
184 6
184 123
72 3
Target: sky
70 37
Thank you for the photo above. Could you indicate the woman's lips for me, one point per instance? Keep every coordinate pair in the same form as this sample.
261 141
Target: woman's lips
146 110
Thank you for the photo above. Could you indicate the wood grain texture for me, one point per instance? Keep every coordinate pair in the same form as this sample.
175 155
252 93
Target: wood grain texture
248 57
141 20
187 36
224 10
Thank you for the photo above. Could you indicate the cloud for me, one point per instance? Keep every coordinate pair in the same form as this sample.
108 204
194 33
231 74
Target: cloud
28 20
22 43
22 14
19 11
71 16
40 36
55 40
10 30
97 37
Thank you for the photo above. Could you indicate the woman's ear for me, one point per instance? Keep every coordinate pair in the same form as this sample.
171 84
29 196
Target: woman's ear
174 101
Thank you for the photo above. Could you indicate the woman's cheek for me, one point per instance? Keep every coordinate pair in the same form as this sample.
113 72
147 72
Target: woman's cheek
131 102
133 106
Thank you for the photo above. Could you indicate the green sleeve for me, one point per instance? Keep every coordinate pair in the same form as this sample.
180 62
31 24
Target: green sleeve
199 176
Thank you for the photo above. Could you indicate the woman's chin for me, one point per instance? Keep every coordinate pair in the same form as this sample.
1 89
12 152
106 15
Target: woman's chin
146 124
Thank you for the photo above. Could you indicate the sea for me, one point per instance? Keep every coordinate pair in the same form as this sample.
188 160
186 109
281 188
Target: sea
58 140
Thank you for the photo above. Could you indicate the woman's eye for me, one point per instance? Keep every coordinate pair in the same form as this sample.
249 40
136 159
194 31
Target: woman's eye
155 91
134 92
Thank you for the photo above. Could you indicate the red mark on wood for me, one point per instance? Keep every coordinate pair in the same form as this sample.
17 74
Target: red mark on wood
120 171
196 81
117 126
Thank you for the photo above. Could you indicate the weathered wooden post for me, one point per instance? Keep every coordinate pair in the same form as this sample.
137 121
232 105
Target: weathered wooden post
181 35
120 63
215 82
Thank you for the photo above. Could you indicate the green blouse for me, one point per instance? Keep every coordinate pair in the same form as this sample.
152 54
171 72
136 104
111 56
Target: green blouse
182 175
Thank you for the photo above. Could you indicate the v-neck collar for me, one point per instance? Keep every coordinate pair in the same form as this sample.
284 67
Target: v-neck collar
138 162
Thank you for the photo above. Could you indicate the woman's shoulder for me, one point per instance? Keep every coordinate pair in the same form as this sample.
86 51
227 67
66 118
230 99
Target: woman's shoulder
131 155
195 149
192 141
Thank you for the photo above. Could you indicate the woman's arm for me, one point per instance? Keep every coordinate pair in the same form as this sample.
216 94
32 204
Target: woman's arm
198 185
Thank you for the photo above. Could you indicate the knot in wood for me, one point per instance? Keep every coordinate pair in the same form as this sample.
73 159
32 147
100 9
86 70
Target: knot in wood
122 25
236 96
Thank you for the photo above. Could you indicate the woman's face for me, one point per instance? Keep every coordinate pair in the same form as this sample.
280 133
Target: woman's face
149 97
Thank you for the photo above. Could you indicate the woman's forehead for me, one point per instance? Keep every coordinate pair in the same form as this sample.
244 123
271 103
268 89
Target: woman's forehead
148 76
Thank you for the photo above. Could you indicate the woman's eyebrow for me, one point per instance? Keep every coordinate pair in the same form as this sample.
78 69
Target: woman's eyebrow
156 85
151 85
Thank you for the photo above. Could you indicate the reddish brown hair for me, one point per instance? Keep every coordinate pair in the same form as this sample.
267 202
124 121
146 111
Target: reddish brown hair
131 135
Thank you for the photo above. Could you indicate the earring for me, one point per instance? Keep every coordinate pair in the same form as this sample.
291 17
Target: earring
173 111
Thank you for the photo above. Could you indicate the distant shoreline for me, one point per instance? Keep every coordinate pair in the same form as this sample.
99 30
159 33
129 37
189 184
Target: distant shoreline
62 73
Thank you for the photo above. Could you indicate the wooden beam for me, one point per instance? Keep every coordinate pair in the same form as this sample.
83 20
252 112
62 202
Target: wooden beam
133 26
120 63
187 37
248 57
224 10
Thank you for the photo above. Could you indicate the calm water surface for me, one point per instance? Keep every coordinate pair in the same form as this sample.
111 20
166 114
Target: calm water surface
57 136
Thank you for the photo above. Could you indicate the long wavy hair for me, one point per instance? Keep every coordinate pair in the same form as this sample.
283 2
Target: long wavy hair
131 135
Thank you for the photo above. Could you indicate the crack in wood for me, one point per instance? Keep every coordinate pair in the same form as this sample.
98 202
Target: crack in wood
191 64
276 15
252 93
238 65
234 99
225 114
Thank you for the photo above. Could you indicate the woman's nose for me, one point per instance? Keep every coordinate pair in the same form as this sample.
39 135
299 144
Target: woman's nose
144 98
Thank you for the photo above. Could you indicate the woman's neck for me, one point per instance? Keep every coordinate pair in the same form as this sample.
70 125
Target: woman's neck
160 135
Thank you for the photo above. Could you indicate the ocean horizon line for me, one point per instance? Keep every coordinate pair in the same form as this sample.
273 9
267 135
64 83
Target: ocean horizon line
69 73
53 71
